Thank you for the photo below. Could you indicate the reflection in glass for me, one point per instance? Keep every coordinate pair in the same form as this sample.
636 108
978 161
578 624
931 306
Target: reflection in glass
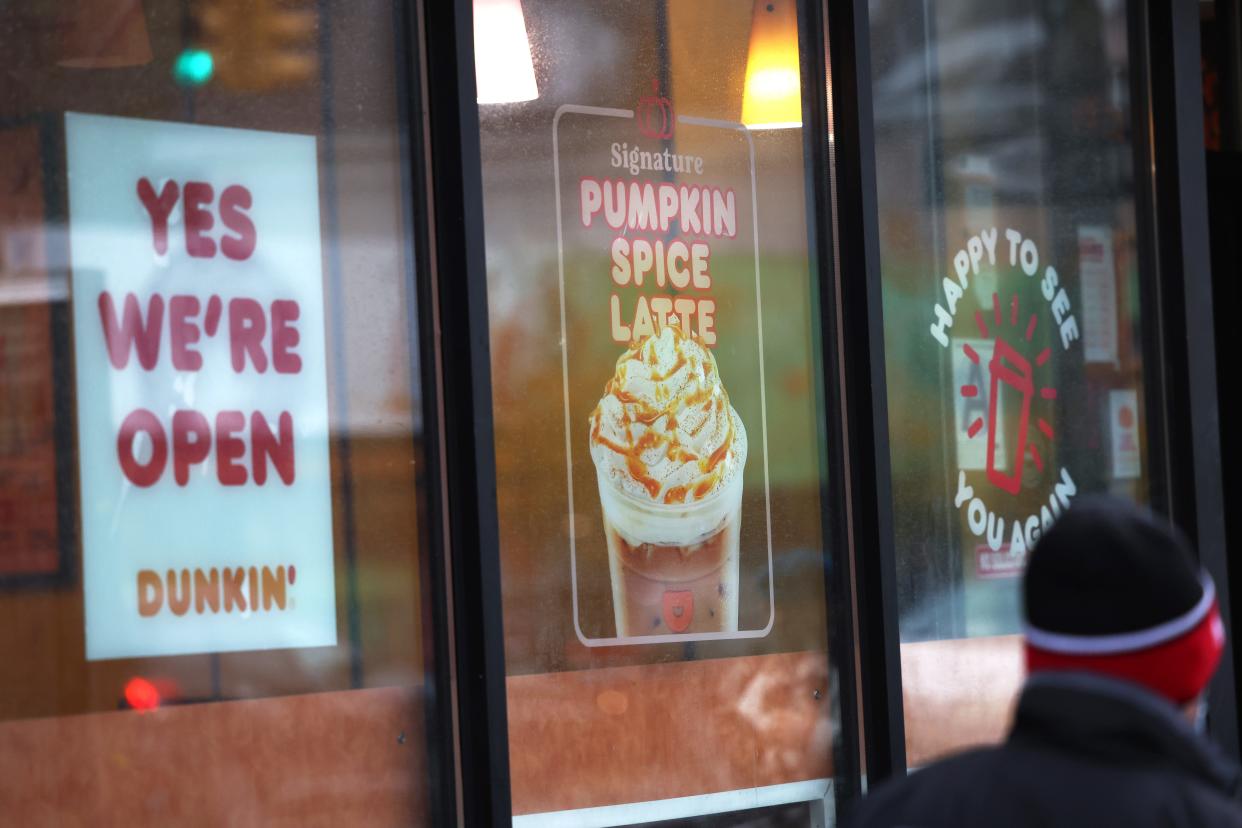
772 97
666 632
504 72
1005 172
286 733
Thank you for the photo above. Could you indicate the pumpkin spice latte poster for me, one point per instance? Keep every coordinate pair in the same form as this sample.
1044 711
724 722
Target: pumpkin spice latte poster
663 376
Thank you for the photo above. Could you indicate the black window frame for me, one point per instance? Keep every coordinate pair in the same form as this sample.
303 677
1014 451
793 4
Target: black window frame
1177 336
471 761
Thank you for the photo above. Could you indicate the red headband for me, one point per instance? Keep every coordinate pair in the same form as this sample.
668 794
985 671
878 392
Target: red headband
1175 659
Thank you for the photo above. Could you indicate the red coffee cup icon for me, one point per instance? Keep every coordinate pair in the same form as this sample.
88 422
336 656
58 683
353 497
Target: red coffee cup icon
1011 374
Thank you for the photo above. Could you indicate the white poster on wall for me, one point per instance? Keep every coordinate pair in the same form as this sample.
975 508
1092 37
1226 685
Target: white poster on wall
198 316
1098 278
1124 432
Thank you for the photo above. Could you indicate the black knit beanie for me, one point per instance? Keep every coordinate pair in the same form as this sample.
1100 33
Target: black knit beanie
1112 589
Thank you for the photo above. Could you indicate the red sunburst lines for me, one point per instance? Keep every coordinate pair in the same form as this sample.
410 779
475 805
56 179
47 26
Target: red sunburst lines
1039 461
975 427
1030 327
1048 393
1045 428
1043 356
983 326
996 309
970 390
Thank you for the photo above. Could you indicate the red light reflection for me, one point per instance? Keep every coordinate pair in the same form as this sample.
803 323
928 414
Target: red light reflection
141 694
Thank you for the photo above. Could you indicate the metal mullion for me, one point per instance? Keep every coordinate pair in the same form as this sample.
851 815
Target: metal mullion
1147 254
1186 335
834 493
439 708
866 397
459 270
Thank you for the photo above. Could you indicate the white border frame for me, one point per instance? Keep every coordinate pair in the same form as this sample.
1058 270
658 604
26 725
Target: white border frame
819 792
763 403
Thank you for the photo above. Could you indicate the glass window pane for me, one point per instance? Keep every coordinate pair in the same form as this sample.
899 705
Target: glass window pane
1012 319
211 446
657 405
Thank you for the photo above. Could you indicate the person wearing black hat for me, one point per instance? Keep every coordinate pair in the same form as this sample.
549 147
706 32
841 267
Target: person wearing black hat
1122 636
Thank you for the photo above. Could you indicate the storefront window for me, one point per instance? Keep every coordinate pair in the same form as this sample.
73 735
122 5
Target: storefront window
211 446
1013 321
658 411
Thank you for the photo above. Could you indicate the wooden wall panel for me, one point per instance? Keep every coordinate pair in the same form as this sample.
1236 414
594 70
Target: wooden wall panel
327 758
632 734
959 693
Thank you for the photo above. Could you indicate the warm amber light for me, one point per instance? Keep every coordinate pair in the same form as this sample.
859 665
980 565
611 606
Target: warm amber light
773 94
503 69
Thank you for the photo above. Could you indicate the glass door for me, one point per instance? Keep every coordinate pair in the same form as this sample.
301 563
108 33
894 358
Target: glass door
213 479
670 526
1018 320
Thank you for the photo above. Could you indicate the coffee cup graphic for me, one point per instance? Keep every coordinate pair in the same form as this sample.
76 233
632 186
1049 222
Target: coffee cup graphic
1011 374
669 450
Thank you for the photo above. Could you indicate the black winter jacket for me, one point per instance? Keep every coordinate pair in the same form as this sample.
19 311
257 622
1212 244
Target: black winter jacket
1084 751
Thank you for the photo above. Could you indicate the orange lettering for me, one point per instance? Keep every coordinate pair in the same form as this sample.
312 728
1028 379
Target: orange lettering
233 597
150 593
206 590
179 603
273 587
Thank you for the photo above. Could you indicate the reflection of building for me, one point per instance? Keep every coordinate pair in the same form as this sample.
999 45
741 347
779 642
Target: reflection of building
897 480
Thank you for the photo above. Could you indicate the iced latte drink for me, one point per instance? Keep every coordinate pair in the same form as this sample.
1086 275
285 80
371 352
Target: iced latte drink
669 451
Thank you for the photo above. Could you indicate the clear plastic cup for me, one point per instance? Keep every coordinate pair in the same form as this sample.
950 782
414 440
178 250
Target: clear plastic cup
674 567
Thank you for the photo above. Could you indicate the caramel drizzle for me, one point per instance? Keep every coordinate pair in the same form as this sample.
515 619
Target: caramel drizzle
636 410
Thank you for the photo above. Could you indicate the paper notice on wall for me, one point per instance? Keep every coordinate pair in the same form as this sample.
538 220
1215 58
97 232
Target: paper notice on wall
1006 562
1123 422
1099 293
972 439
198 317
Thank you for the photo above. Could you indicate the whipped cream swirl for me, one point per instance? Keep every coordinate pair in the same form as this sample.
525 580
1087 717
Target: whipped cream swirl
664 430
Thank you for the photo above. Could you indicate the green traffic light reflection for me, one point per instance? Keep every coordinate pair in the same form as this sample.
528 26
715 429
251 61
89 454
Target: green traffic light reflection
193 67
